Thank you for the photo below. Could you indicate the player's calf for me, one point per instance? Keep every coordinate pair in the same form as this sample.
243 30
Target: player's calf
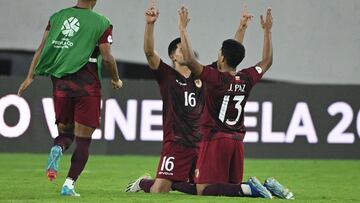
52 167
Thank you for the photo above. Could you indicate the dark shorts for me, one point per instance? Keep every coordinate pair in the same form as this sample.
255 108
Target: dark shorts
83 110
177 162
220 160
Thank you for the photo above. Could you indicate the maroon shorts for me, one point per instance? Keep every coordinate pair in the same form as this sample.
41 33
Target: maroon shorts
83 110
177 162
220 160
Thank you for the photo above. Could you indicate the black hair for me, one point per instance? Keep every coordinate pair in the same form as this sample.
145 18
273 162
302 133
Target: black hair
233 52
173 46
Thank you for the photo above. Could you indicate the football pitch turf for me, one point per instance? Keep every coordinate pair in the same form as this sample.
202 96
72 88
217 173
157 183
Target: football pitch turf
22 179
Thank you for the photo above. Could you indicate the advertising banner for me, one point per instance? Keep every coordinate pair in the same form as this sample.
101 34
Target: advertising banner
283 120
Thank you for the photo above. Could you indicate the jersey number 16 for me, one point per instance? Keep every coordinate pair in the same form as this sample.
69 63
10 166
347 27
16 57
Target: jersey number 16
189 99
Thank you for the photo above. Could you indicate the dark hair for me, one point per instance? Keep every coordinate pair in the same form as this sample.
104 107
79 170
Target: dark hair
173 46
233 51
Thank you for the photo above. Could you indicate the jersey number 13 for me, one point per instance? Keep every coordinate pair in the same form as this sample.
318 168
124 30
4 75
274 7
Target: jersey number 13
224 107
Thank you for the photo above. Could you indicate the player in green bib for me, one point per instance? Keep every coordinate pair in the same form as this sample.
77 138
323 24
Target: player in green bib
75 41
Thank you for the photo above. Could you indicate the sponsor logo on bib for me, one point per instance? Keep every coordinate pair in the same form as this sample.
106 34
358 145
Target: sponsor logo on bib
69 28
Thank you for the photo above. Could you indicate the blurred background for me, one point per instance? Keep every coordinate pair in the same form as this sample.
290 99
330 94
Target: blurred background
315 42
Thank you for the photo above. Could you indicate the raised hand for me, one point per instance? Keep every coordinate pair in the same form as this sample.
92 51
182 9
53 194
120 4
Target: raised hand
245 17
183 17
267 23
152 13
267 53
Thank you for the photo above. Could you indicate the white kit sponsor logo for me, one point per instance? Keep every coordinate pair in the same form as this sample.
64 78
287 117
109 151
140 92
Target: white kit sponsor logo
166 173
180 83
70 27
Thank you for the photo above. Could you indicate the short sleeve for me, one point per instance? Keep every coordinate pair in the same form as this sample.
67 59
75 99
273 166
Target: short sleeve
107 36
254 73
162 73
211 75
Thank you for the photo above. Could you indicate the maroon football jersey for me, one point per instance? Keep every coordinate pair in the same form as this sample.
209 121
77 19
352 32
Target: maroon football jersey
183 103
225 99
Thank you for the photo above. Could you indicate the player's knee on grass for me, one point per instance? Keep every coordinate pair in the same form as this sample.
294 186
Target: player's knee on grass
161 186
200 188
66 128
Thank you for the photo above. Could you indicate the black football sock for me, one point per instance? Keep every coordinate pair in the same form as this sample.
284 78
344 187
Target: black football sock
79 157
145 184
64 140
184 187
229 190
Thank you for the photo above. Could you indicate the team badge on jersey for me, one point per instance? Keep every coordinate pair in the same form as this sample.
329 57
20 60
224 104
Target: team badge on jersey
198 83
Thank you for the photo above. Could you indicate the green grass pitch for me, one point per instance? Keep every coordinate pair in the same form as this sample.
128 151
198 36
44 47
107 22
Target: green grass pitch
22 179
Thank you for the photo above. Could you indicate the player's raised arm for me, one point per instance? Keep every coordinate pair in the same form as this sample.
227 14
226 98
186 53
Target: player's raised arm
30 77
267 55
244 22
188 53
151 15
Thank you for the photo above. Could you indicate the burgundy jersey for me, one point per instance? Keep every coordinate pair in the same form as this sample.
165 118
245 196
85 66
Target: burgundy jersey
183 103
86 81
225 99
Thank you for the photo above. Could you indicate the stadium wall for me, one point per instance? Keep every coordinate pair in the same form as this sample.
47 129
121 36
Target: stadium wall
315 41
283 120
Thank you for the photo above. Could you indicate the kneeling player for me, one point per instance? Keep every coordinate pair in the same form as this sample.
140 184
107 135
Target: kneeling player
183 103
219 169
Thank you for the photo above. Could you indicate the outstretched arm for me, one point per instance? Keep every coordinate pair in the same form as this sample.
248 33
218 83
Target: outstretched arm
267 55
244 22
151 16
188 53
30 77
